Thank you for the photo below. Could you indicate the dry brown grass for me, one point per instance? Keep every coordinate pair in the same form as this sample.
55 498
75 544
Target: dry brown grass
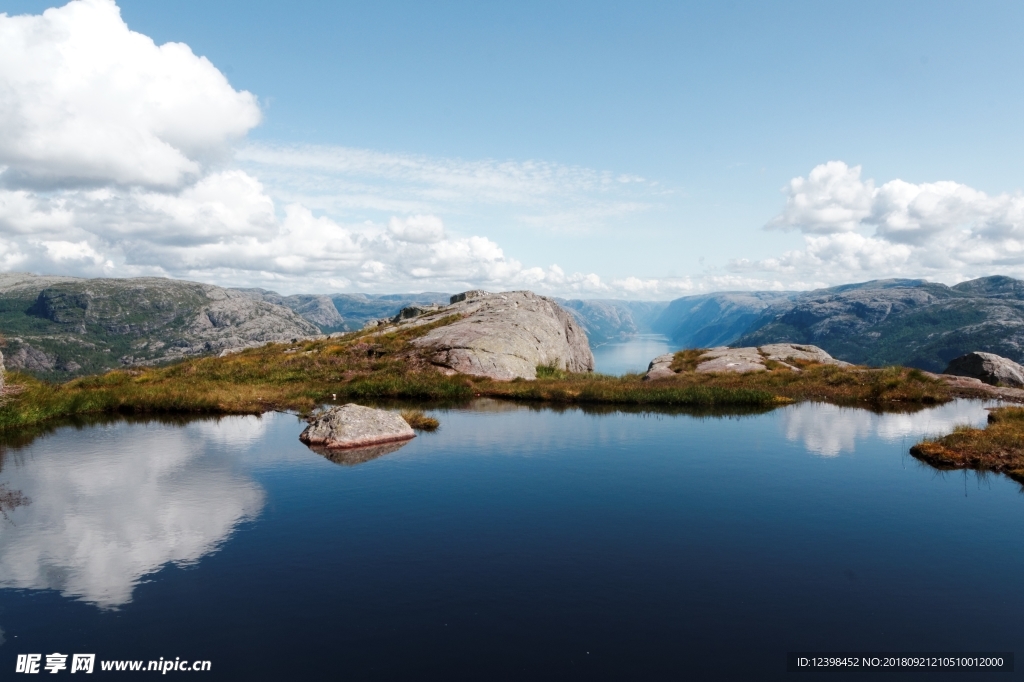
998 447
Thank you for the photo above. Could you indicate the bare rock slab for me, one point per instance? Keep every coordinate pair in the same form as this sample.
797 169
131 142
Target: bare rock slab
355 426
988 367
747 359
739 360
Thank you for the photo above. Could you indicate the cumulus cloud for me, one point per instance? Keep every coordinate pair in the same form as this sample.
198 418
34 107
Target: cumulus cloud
86 100
855 230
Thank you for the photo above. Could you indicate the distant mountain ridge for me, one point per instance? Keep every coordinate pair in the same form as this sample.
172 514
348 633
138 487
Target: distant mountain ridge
907 322
59 327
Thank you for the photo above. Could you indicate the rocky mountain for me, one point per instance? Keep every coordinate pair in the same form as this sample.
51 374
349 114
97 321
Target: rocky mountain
59 327
908 322
358 309
317 309
716 319
613 320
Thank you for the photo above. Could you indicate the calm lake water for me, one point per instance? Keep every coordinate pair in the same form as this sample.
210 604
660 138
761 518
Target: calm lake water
633 355
516 543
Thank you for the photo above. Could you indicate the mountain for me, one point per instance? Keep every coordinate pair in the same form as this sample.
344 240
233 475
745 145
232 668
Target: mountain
716 319
317 309
612 320
358 309
908 322
59 327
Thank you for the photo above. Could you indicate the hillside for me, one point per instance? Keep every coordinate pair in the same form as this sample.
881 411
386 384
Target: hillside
59 327
606 320
908 322
716 319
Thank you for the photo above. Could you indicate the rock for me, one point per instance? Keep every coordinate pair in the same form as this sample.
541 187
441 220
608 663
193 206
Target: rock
989 368
782 352
659 367
411 311
3 374
747 359
506 336
29 359
355 426
737 360
466 295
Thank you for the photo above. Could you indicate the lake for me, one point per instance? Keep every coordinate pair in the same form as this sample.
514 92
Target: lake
517 542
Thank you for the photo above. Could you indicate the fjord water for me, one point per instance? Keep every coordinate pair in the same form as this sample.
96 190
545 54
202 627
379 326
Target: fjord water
515 543
632 355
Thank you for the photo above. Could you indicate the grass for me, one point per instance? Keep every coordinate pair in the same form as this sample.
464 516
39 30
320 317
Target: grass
419 421
999 447
369 366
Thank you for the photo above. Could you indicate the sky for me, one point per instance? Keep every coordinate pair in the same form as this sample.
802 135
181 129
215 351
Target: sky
594 150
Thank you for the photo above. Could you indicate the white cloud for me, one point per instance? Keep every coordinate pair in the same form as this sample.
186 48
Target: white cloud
855 231
84 99
420 229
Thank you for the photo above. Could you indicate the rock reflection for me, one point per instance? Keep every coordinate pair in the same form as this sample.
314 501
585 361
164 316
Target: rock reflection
107 510
353 456
829 430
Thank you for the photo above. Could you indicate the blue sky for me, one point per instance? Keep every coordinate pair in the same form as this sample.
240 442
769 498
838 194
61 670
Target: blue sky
640 148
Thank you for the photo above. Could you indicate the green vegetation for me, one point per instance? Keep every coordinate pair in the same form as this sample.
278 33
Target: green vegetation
420 421
998 447
372 367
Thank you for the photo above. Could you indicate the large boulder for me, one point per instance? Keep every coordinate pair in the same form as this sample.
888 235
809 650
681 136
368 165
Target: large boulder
988 367
355 426
507 336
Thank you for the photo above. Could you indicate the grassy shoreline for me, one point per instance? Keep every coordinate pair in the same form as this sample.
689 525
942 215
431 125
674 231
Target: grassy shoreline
999 447
386 366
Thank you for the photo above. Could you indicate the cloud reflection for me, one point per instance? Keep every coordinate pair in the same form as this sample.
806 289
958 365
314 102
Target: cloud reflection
829 430
107 510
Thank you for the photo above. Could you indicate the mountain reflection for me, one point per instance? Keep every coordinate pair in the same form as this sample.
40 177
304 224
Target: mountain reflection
829 430
106 510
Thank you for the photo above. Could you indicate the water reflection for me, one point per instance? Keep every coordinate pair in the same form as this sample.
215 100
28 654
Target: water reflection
353 456
829 431
107 509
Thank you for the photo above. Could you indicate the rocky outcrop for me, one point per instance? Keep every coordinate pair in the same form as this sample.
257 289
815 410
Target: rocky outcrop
989 368
747 359
507 336
355 426
660 367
